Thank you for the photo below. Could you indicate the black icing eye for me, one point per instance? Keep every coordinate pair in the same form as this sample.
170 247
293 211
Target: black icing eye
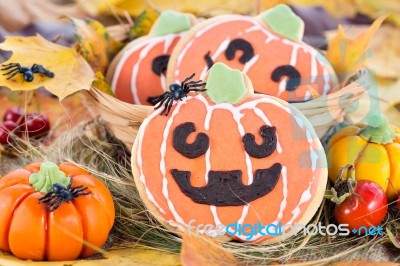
239 45
208 60
289 71
266 148
192 150
159 64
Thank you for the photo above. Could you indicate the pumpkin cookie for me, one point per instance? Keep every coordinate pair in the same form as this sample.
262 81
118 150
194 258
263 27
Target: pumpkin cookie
228 156
137 73
267 48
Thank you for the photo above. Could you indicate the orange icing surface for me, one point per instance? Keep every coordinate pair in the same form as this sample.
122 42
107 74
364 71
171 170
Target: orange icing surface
227 153
271 49
147 83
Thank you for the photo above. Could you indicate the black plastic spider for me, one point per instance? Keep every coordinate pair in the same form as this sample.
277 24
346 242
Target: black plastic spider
176 92
60 194
27 72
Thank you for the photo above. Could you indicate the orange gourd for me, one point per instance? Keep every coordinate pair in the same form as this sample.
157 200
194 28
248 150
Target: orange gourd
36 225
375 151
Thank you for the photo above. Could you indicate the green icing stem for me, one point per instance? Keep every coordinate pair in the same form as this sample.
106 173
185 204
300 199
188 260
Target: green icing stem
283 21
378 130
48 175
171 22
225 85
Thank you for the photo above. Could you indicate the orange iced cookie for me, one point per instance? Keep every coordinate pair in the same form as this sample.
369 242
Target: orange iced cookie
268 48
227 156
138 72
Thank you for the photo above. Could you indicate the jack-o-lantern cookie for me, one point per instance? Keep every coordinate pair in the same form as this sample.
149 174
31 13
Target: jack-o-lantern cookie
228 157
137 73
267 48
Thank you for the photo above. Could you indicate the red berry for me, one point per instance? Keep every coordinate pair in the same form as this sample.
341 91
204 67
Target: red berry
367 209
36 124
15 114
5 132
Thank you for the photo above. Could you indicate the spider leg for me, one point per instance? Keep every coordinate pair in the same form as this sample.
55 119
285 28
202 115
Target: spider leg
161 102
196 85
40 69
155 100
187 79
194 82
196 90
47 196
169 106
12 73
45 200
166 106
54 206
11 65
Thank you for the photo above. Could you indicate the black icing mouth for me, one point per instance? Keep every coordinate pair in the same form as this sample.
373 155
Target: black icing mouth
225 188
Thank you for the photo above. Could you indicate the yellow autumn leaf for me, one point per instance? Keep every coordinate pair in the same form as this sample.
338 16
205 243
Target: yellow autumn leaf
348 55
203 250
143 22
133 255
211 7
102 84
94 43
376 8
71 72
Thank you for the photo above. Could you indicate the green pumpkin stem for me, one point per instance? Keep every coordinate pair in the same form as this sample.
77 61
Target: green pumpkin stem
378 130
48 175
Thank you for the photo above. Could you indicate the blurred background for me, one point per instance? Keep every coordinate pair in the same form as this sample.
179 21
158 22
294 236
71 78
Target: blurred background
45 17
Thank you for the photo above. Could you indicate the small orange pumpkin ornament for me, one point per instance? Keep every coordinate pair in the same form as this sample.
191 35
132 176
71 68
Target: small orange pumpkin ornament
373 148
137 73
50 212
267 48
229 156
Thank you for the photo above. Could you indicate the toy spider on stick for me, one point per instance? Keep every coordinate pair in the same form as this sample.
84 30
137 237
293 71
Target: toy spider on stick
176 92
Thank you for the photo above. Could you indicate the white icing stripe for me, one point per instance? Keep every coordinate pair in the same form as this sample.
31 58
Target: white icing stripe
282 86
293 57
213 210
163 81
163 150
183 52
125 56
305 197
285 195
139 159
314 69
250 63
135 69
327 87
307 96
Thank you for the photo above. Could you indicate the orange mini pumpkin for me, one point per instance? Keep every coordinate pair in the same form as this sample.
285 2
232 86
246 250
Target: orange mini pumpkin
229 156
267 48
137 73
35 224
